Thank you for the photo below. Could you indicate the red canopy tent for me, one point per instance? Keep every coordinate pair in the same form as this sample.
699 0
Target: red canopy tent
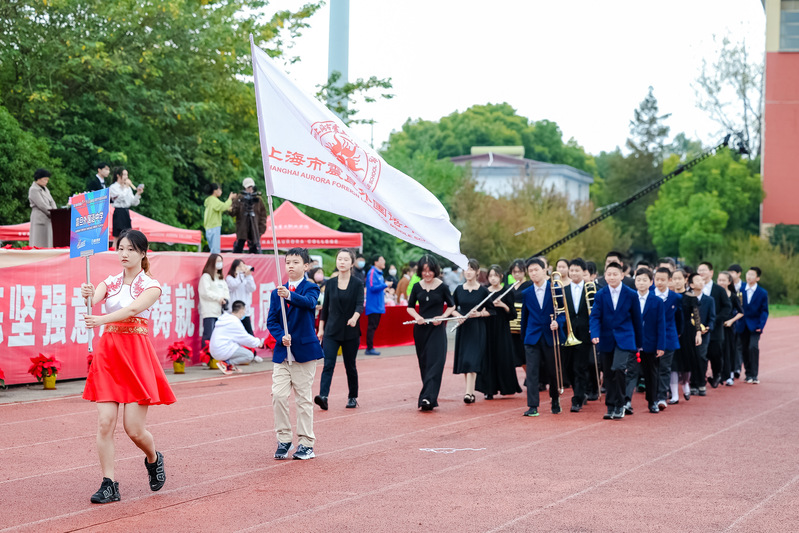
155 231
295 228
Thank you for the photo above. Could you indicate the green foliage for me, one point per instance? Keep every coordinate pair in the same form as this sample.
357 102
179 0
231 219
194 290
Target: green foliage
343 98
786 237
702 207
21 153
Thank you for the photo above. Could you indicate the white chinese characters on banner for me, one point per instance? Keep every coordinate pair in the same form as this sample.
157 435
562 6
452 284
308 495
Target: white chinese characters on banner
2 293
264 293
162 313
21 308
184 304
79 333
54 314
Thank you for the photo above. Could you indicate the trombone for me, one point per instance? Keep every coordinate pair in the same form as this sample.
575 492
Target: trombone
556 284
590 292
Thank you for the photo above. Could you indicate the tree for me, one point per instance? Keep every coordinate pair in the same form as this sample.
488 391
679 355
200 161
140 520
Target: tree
731 91
698 210
343 98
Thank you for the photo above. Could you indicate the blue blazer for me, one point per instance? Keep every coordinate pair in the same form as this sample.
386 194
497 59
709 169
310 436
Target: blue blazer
756 311
375 292
674 321
653 324
620 327
300 315
536 320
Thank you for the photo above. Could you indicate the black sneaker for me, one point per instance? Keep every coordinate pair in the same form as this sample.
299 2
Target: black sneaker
107 493
628 408
321 401
283 449
304 452
531 412
609 415
352 403
155 471
556 408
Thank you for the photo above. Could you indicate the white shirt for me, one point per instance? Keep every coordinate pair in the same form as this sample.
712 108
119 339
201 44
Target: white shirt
228 336
662 295
122 196
577 291
739 286
119 296
750 291
539 293
707 288
642 301
241 288
101 180
614 295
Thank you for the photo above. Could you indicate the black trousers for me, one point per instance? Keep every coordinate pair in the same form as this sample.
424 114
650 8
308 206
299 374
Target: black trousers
614 366
664 375
739 358
349 351
371 327
208 328
750 345
699 371
728 354
631 378
253 247
579 358
536 355
650 367
594 372
715 354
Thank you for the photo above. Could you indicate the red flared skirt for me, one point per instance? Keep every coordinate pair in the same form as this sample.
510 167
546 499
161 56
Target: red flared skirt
125 368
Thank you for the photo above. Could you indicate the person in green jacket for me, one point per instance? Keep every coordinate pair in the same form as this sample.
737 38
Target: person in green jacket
212 220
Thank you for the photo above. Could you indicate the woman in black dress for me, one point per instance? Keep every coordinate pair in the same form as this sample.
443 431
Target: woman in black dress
728 347
470 338
517 271
684 358
430 337
339 327
498 374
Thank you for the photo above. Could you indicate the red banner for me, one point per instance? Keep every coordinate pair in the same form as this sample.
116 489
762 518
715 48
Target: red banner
41 308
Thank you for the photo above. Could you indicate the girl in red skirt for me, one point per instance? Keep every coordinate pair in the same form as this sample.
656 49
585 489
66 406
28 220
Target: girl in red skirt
125 369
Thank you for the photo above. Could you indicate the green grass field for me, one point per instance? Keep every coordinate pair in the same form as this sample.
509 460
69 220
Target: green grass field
779 310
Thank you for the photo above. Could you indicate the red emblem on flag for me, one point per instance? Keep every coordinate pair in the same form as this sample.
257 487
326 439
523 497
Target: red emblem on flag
355 159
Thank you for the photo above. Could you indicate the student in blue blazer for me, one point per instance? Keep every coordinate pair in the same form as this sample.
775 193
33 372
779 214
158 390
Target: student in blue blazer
672 307
538 329
755 304
653 341
615 326
295 355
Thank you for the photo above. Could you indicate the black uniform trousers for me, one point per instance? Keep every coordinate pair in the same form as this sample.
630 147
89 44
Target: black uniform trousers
614 365
650 369
349 351
664 375
540 355
699 370
715 354
371 327
750 344
579 357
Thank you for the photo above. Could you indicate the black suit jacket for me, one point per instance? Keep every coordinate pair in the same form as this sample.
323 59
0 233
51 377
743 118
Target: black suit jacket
93 184
579 320
723 310
339 306
626 280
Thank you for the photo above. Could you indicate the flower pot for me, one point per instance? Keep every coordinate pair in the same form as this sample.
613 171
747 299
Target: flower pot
49 382
179 368
212 364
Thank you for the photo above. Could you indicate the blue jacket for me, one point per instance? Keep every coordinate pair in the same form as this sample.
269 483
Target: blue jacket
375 292
616 327
756 311
536 320
674 321
300 315
653 324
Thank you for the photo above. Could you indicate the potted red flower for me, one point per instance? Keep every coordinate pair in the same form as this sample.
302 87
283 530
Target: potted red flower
45 370
2 378
206 357
180 354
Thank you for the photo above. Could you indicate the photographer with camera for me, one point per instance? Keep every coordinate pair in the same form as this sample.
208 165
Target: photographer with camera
241 283
250 213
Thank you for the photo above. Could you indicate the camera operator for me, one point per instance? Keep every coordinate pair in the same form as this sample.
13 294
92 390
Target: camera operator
241 283
250 213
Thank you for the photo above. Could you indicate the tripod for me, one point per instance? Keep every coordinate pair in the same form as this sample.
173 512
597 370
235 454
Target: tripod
253 239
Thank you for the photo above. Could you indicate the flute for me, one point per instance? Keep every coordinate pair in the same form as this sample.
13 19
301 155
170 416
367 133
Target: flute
466 316
429 320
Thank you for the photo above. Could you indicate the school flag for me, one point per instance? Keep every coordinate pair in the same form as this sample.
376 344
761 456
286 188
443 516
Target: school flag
311 157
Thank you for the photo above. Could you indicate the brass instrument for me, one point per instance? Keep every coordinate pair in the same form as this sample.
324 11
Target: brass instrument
516 323
590 292
697 319
571 340
555 284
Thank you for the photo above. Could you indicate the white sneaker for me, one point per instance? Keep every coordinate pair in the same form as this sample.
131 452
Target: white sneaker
258 359
223 367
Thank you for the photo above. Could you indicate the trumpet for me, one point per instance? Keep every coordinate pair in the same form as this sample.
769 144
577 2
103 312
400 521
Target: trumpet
590 292
571 340
554 285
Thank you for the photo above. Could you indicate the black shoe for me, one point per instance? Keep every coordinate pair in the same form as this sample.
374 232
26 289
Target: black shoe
426 405
694 391
542 387
618 414
673 402
352 403
737 375
609 414
321 401
576 408
283 449
155 471
702 391
628 408
603 390
533 411
592 397
686 395
489 396
304 452
654 408
556 408
714 382
107 493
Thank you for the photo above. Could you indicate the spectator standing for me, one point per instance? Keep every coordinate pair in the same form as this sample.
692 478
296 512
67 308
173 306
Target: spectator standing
122 198
214 294
98 181
241 284
360 265
375 300
250 213
41 202
402 286
212 219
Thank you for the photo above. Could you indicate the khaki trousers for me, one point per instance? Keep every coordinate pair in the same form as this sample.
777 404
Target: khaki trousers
300 376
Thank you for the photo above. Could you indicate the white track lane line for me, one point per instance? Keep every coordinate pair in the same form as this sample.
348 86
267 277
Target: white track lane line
761 503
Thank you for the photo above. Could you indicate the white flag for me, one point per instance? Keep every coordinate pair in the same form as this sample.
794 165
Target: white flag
310 157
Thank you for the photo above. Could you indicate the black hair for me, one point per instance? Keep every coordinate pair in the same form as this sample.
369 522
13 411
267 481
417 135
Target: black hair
644 272
360 255
668 261
735 267
138 240
614 253
756 270
590 266
578 261
233 266
349 252
474 264
374 259
708 264
99 165
210 188
412 264
517 263
644 264
664 270
430 262
614 264
498 271
564 260
302 253
237 306
41 173
535 261
117 172
691 277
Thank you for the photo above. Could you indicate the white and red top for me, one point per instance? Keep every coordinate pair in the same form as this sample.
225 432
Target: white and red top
119 295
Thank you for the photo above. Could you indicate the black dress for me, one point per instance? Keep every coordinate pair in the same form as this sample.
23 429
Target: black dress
470 337
498 374
519 357
684 357
430 340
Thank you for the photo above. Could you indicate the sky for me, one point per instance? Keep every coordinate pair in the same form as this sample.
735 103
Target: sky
585 65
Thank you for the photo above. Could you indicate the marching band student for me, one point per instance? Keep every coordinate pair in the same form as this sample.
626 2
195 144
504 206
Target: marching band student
581 354
735 272
653 342
430 338
672 305
590 271
125 368
736 313
615 326
562 266
498 374
470 338
707 321
690 337
539 326
754 321
517 270
723 310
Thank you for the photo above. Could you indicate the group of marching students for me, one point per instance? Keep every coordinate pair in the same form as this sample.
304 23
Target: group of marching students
653 329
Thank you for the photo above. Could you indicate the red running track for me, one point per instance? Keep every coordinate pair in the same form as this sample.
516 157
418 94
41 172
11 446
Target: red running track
725 462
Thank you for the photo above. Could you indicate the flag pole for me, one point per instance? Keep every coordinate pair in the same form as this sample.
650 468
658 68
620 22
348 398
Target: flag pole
269 191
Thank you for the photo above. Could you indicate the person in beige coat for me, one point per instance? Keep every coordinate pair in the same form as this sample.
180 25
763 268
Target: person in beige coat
41 232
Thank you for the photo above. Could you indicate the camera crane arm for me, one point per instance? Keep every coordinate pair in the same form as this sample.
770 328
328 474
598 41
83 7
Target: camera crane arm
739 146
